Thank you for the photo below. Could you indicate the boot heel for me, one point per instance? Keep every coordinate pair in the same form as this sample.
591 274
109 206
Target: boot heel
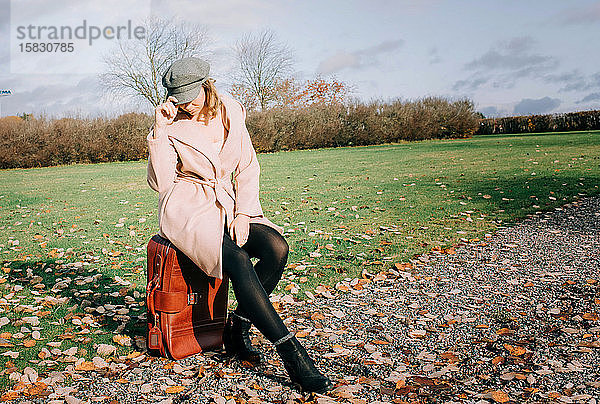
300 367
236 339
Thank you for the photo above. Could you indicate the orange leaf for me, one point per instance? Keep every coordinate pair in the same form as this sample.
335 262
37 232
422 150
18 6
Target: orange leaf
515 350
402 266
504 331
590 316
175 389
450 356
10 395
342 287
85 365
499 396
317 316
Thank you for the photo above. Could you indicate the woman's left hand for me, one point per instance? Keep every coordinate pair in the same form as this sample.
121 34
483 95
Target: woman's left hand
240 228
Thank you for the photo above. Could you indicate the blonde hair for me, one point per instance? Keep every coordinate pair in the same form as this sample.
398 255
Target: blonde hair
212 100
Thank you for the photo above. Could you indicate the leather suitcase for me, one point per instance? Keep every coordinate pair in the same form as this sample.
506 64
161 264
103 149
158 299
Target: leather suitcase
186 308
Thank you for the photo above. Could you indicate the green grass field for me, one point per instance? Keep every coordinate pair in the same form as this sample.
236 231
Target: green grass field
80 231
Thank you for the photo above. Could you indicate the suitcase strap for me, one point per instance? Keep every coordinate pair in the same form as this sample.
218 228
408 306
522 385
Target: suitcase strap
173 302
154 284
168 302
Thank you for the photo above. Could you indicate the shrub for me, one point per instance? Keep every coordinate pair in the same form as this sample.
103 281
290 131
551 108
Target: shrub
43 142
583 120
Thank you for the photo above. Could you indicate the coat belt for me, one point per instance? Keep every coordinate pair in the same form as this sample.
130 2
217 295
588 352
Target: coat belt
223 182
219 185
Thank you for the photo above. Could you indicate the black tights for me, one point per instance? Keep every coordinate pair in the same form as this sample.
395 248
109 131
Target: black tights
252 285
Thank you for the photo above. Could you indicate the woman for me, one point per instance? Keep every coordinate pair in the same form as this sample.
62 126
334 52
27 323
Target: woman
199 140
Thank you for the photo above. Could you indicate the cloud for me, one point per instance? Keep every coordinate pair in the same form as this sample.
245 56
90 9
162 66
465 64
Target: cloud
470 84
529 106
358 59
574 81
512 55
223 16
339 61
383 47
589 97
434 56
58 98
505 63
571 81
490 111
587 14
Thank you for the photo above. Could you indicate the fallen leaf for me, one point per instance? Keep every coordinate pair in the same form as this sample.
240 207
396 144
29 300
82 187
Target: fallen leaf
85 366
515 350
499 396
175 389
122 340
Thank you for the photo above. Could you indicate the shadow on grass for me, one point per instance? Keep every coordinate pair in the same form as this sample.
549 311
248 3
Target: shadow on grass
86 290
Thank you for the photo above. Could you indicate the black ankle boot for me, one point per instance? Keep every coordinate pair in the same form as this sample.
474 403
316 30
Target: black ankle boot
300 366
236 338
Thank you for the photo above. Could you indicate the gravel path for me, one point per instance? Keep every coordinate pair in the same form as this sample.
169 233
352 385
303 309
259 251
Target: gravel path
512 319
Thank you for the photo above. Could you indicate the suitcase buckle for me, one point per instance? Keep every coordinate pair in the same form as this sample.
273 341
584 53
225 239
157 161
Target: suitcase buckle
193 298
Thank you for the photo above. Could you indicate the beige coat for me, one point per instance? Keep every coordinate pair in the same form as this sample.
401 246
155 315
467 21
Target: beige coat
195 186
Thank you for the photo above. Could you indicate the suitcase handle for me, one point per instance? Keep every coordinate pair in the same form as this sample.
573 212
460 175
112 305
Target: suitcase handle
155 283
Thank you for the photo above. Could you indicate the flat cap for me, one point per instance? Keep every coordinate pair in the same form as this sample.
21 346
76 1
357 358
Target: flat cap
184 78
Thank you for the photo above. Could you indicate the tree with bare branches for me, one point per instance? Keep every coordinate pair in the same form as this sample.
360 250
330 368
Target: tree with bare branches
135 68
262 63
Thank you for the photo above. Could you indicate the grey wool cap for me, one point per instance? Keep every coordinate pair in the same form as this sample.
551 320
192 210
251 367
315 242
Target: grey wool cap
183 79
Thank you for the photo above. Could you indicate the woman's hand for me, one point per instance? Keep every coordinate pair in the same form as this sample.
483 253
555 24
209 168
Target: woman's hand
165 113
241 228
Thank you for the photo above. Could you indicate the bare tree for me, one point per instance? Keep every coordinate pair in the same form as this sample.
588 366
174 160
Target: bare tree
262 62
135 68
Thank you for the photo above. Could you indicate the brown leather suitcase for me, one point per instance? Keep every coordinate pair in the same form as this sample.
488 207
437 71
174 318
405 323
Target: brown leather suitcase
186 308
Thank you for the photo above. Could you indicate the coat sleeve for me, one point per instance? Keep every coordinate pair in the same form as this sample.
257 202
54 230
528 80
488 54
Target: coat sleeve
247 176
162 160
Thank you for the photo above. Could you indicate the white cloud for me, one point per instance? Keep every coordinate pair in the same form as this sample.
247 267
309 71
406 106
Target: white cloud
505 63
589 98
529 106
358 59
576 14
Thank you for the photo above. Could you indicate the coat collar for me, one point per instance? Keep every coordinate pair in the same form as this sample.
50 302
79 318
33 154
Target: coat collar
195 139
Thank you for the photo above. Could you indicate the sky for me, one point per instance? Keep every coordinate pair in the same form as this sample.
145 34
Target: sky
509 57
